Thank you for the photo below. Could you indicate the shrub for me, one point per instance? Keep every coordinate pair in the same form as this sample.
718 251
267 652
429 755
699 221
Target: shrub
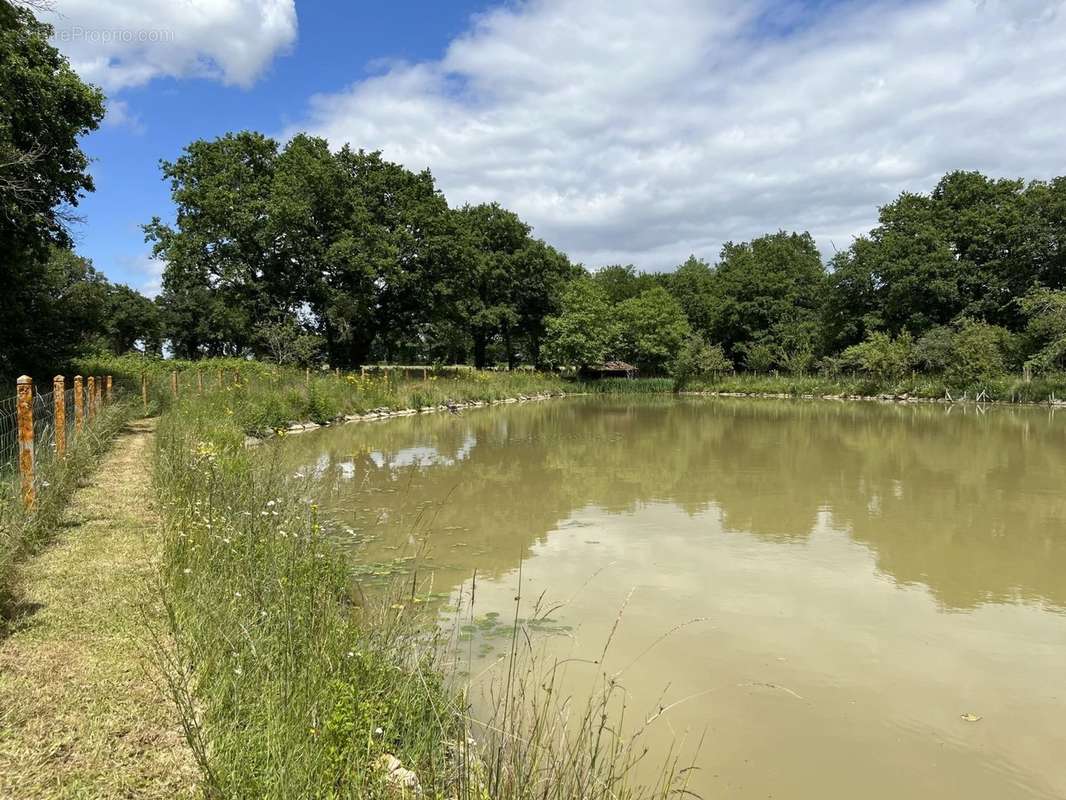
881 357
696 359
978 352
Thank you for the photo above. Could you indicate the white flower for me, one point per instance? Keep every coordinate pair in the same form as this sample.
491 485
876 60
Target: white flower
187 571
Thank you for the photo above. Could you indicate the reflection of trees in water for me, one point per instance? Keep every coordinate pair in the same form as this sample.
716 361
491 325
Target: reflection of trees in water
967 504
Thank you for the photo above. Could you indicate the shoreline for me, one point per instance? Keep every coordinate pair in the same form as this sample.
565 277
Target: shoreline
904 399
385 413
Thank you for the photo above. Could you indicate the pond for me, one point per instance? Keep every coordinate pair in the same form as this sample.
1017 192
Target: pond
843 600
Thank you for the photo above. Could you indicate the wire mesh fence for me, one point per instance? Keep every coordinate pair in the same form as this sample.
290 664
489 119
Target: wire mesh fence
55 423
9 436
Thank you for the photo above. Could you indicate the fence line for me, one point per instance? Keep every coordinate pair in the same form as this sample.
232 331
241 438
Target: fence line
36 425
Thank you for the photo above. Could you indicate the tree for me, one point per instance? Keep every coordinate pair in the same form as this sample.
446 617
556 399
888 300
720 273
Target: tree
63 315
652 327
970 248
493 237
1045 333
222 266
768 293
44 109
583 333
289 343
621 283
130 317
692 284
539 276
365 244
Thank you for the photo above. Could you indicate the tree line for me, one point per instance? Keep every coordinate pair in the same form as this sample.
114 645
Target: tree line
297 253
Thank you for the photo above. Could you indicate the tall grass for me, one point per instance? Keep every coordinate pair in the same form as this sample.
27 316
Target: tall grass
1004 388
263 397
290 683
22 531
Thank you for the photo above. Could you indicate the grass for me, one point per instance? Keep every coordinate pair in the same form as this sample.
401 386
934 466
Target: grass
1004 388
290 683
79 716
263 397
22 532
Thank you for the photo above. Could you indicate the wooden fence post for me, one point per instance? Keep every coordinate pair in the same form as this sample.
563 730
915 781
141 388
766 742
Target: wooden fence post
108 396
79 404
90 401
199 381
307 376
99 393
174 383
144 390
25 420
59 397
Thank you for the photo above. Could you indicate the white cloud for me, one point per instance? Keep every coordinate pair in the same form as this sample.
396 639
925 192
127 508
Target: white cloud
123 43
634 131
146 273
119 115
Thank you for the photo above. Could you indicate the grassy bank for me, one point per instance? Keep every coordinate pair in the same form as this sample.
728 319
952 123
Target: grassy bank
264 397
24 532
1003 389
290 682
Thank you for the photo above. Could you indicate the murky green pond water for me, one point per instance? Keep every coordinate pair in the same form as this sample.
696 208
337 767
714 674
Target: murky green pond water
863 575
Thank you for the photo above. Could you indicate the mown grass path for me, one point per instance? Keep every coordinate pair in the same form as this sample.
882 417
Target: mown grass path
80 716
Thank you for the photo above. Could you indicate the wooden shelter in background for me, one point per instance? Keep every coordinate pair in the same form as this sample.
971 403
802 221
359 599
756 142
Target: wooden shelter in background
610 369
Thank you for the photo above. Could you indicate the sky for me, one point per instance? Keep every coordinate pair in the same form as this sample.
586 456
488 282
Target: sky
623 131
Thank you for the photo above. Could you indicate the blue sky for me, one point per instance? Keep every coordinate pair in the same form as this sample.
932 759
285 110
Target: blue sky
623 131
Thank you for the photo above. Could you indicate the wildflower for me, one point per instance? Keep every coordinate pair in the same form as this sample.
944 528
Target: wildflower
187 571
379 731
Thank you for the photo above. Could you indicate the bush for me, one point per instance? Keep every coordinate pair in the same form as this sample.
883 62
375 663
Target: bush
759 357
880 357
696 359
979 352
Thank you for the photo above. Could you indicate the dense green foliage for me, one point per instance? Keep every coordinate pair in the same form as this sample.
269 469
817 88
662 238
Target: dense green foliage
350 247
44 109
